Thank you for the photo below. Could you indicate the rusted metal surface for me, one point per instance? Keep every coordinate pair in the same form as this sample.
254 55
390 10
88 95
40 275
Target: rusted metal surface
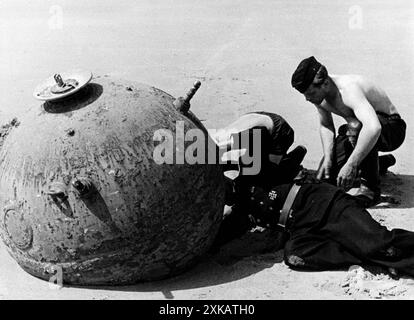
79 189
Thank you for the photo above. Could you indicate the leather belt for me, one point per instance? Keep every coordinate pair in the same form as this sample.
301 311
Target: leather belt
287 206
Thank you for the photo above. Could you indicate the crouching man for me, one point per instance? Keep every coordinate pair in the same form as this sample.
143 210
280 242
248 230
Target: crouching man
374 123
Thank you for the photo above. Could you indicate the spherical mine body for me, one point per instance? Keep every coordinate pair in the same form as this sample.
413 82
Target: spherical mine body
82 196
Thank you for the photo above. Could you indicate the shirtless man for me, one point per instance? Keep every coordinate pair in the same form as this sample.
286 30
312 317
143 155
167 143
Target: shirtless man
359 102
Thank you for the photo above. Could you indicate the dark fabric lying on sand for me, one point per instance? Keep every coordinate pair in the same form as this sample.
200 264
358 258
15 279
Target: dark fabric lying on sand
329 229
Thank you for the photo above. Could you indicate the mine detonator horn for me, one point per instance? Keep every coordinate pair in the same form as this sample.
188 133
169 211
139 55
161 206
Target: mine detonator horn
192 91
183 104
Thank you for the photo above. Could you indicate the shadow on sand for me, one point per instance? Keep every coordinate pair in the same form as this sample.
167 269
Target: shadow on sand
397 191
240 258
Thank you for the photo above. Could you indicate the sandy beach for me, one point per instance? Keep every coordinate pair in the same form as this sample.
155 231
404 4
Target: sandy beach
244 53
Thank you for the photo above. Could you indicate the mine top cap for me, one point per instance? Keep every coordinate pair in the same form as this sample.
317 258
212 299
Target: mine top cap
61 85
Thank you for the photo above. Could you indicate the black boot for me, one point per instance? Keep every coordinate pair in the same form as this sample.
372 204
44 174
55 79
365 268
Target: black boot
385 162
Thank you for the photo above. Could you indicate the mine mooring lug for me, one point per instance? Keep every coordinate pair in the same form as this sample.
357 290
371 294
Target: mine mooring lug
59 80
62 86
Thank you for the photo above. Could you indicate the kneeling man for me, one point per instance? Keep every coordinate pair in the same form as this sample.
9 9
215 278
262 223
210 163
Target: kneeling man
373 122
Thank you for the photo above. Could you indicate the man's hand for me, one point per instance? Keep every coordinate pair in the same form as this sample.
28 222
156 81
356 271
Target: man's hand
324 171
346 176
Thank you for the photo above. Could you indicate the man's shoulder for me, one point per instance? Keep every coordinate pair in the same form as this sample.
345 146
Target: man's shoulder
350 81
353 86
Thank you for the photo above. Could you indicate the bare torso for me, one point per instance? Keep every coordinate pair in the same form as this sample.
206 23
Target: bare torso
375 95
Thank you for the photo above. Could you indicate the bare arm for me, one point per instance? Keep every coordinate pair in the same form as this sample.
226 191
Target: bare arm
327 132
250 120
245 122
371 127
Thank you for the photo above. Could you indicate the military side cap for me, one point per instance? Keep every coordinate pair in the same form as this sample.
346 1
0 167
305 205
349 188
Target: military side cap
305 72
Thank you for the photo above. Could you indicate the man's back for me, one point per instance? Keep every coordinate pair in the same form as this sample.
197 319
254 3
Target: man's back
375 95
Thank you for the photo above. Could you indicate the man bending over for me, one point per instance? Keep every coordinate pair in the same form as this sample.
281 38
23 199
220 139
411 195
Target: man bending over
373 124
